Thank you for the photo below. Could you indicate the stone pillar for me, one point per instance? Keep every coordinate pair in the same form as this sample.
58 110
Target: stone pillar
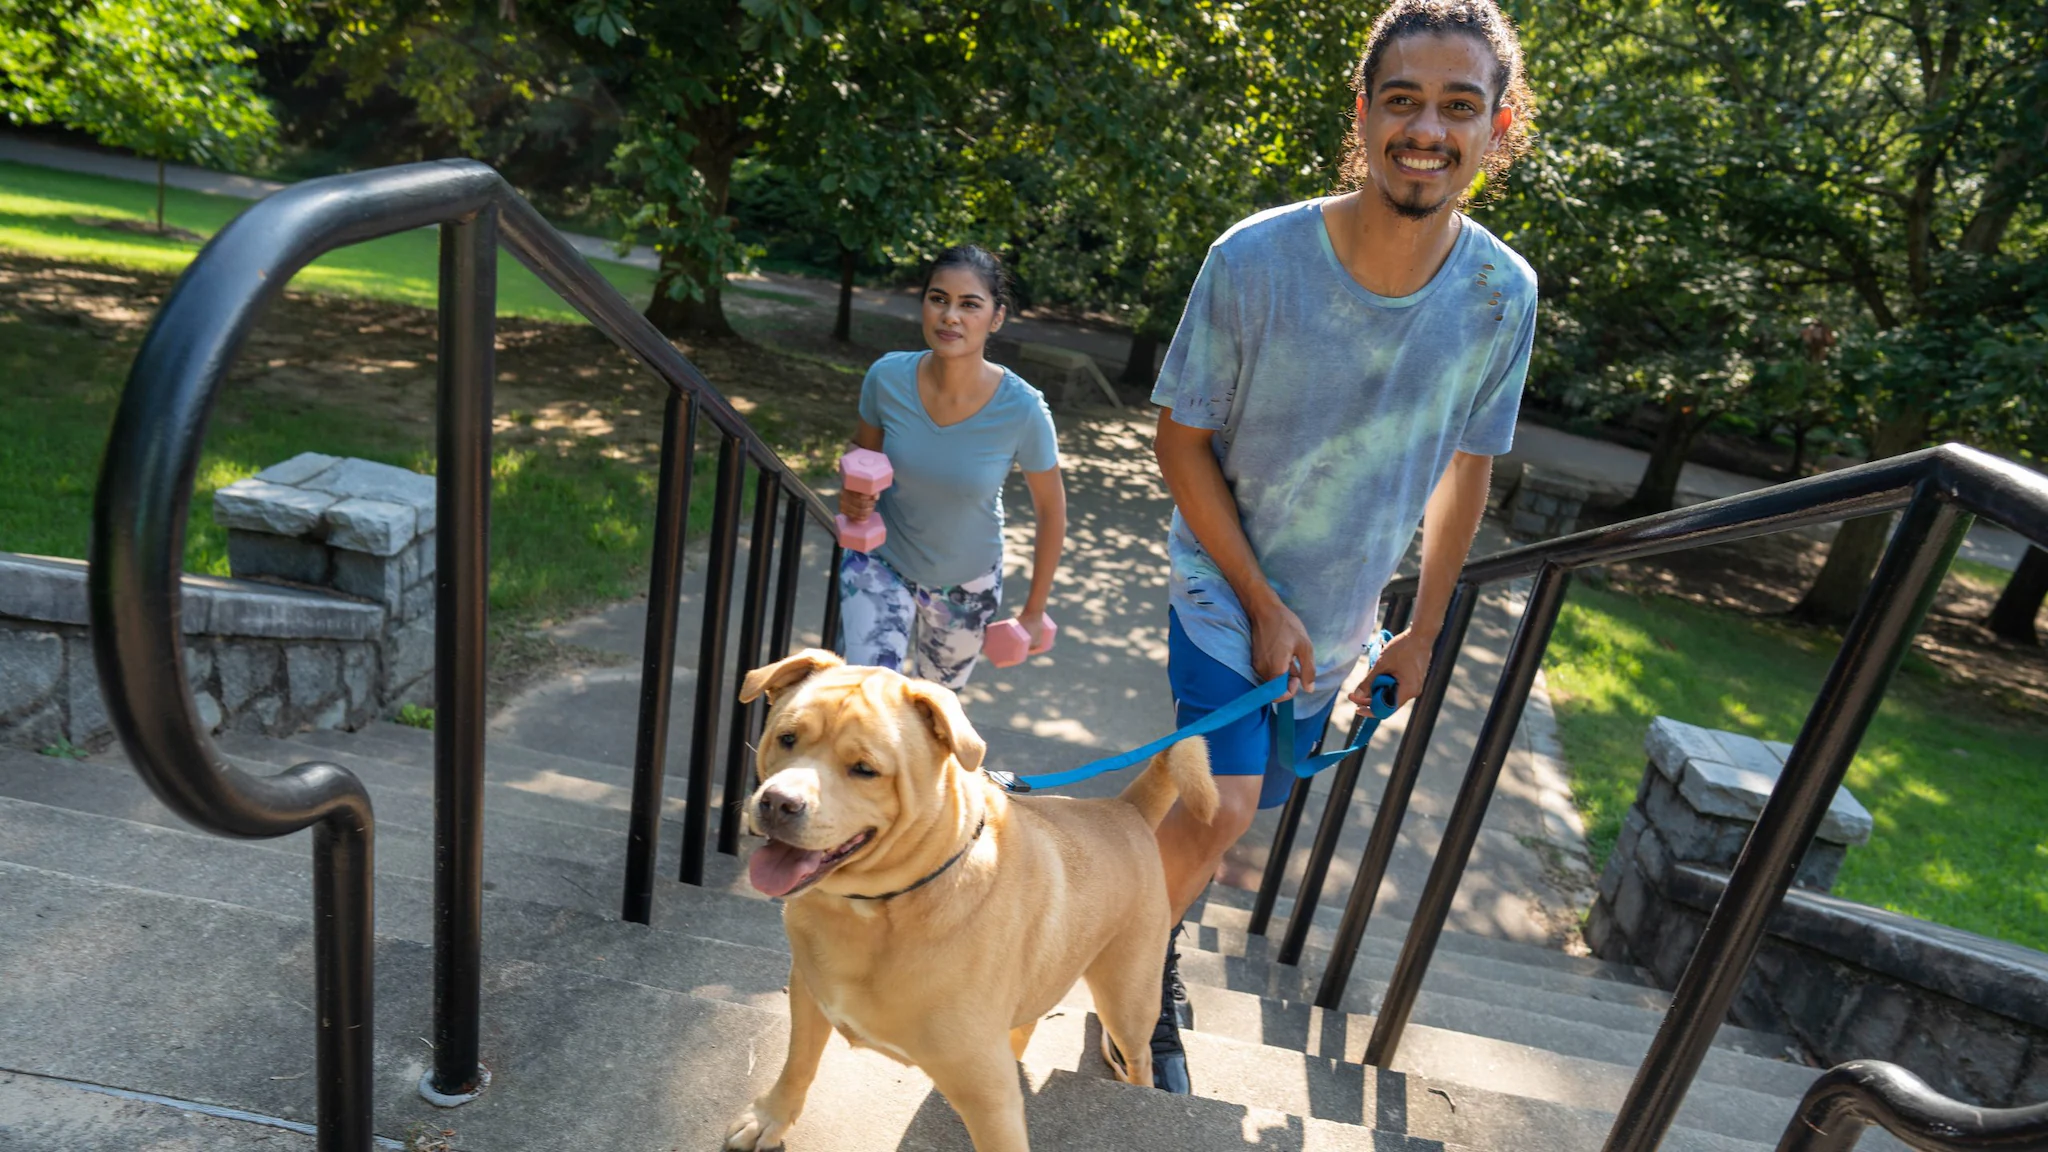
354 526
1701 793
1545 504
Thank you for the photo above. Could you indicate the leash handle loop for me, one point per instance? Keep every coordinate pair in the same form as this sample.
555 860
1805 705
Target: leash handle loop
1382 705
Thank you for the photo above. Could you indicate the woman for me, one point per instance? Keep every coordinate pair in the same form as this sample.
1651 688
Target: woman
951 424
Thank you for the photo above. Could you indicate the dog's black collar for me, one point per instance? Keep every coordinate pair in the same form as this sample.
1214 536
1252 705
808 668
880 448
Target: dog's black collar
934 875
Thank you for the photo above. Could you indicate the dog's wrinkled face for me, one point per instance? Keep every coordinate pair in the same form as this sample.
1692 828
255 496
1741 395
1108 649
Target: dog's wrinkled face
851 758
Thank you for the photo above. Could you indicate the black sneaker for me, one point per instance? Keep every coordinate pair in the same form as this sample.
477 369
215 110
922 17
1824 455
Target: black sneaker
1177 992
1169 1059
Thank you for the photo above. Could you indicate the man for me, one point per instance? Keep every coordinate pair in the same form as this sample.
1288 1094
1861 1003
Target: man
1345 366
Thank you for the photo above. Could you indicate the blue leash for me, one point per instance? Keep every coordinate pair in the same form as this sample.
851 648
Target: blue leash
1382 706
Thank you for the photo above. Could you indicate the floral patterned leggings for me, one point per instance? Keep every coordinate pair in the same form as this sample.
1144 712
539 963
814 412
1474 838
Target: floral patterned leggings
927 631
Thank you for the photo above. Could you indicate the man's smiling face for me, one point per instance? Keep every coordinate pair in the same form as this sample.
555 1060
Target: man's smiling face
1430 120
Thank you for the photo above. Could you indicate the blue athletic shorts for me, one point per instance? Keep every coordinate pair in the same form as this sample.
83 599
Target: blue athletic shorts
1202 684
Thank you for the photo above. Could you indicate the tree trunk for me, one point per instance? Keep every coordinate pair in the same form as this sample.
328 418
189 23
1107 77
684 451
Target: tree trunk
159 195
1859 544
1138 366
842 327
2013 616
1799 434
1657 491
704 316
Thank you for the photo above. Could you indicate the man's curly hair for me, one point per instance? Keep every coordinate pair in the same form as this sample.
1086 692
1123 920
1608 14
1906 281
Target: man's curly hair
1478 18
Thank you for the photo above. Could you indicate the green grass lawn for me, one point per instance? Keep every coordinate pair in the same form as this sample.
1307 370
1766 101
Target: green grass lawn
570 526
41 210
1958 788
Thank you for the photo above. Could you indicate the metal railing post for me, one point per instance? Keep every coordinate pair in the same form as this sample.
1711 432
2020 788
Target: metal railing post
1275 873
828 631
462 542
786 577
658 656
1322 849
1904 585
718 566
760 552
1401 776
1461 830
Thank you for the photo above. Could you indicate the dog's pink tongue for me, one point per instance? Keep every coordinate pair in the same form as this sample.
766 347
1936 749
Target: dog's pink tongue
775 867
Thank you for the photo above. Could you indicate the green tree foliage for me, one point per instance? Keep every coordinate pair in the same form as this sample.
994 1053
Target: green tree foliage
169 79
706 83
1220 109
1880 162
395 81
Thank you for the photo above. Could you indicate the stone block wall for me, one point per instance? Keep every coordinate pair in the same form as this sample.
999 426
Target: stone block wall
258 658
1967 1014
358 527
1545 505
328 623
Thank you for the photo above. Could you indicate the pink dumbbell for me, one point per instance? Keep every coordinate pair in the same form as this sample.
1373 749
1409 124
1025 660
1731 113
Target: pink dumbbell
1007 644
867 471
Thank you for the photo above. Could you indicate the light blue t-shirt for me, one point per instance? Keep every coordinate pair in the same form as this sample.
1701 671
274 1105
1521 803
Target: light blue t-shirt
944 511
1336 411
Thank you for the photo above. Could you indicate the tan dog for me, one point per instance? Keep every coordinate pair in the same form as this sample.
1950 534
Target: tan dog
930 916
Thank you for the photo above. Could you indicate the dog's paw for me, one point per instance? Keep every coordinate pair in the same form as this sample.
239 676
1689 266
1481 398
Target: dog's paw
756 1131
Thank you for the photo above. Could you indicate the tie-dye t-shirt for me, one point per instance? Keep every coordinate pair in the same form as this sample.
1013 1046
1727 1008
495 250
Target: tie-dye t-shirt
1335 411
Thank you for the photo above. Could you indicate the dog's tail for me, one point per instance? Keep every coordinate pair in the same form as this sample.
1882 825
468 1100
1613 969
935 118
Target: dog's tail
1182 770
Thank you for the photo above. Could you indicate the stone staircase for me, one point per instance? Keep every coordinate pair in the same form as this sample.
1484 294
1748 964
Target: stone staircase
150 968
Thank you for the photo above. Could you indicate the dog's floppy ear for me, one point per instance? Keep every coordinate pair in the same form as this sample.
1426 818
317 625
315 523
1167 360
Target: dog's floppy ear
941 709
773 678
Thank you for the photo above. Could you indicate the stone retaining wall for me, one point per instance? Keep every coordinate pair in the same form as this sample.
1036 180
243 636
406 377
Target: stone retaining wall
1967 1014
259 658
328 623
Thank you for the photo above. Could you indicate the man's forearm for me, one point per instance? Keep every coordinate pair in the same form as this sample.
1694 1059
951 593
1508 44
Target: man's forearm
1196 483
1449 523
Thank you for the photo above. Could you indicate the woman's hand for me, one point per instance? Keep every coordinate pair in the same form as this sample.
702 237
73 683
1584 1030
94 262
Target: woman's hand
856 506
1034 627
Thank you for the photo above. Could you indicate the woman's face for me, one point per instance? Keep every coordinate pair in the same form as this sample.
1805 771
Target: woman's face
959 312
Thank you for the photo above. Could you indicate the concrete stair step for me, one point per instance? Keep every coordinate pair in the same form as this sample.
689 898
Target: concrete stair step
1447 976
598 1062
714 945
1225 907
1608 1004
533 774
555 863
578 1060
542 794
1550 1021
702 961
750 968
405 842
1376 956
1474 977
414 747
41 1113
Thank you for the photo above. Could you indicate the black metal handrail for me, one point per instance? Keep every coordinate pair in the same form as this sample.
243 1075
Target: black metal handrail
137 556
1851 1097
1938 488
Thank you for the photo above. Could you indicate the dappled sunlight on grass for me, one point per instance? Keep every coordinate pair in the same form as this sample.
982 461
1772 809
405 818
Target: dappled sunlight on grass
1957 789
76 217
